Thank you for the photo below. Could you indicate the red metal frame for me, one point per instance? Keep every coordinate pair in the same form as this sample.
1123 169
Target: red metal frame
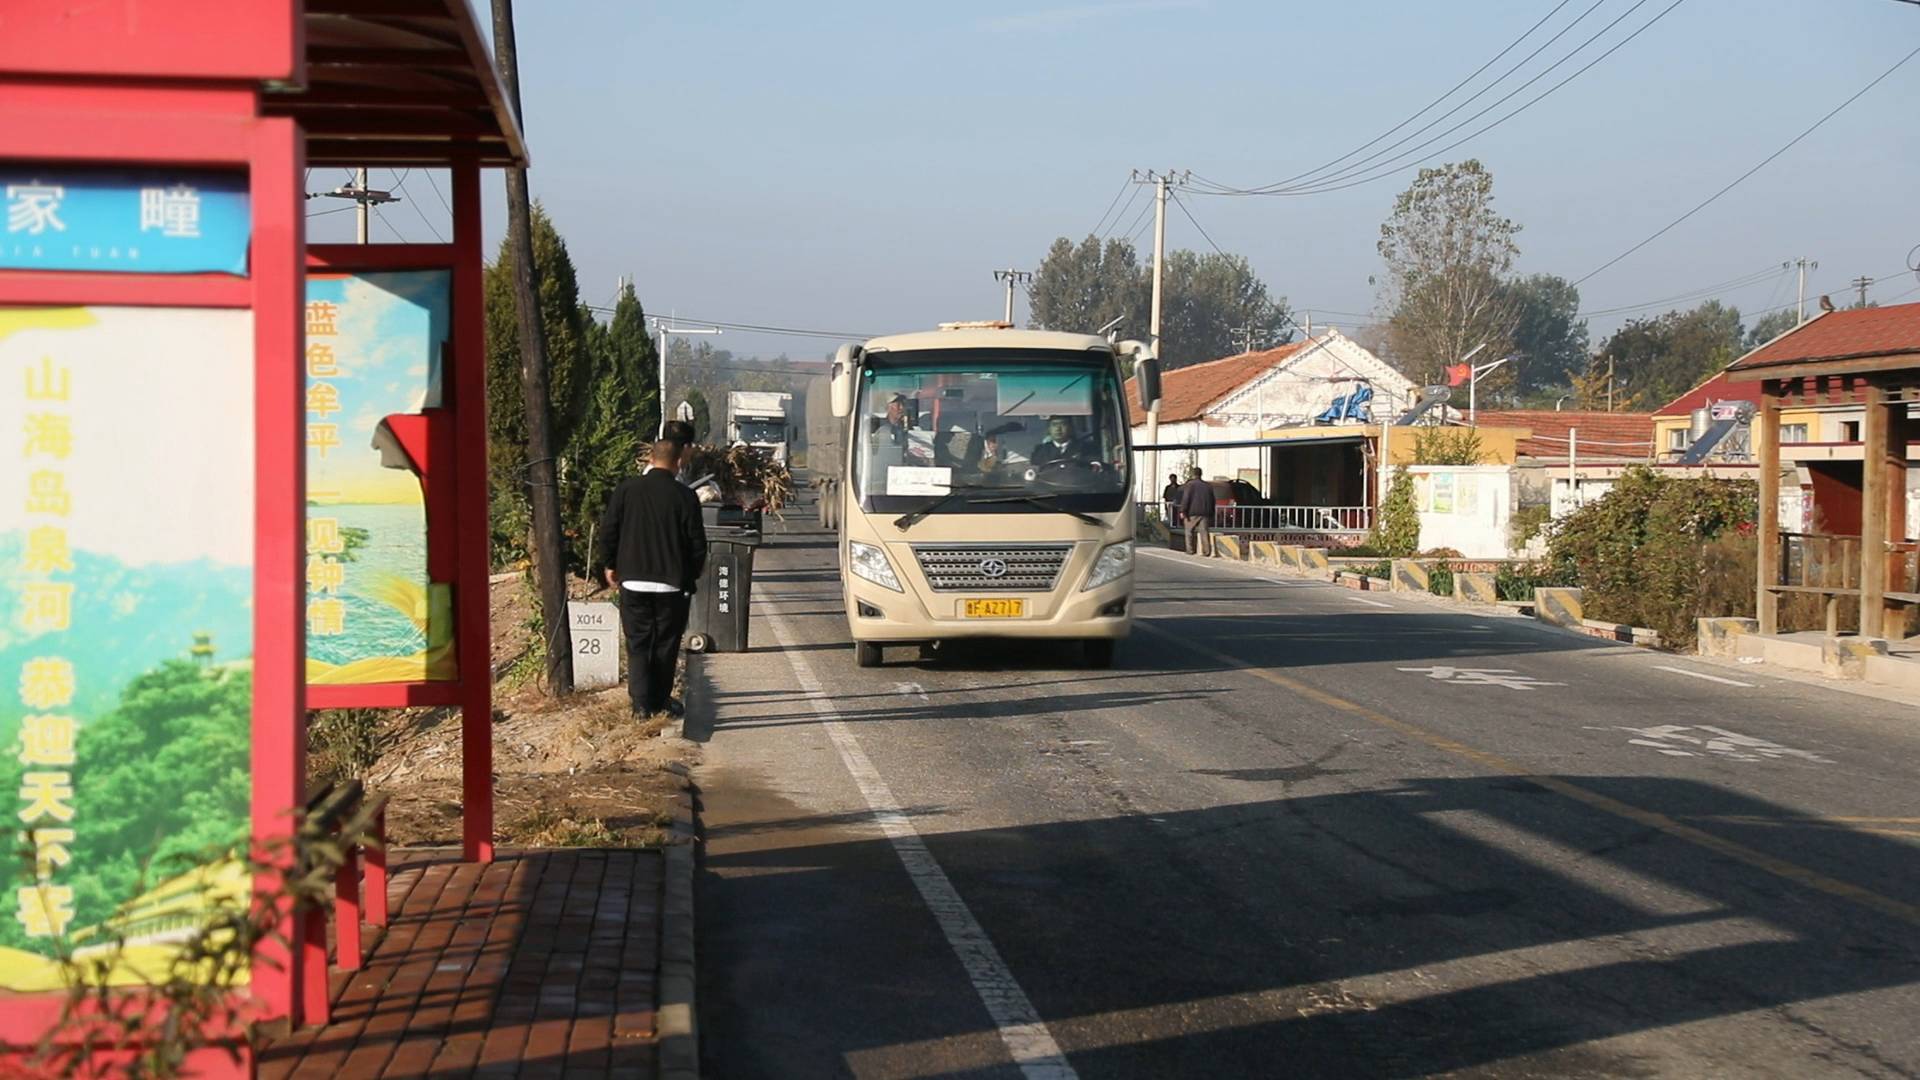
147 126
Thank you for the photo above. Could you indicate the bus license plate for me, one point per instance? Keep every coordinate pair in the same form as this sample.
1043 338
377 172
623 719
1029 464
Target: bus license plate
995 609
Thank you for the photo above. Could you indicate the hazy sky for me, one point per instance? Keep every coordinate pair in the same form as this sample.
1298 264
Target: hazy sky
864 167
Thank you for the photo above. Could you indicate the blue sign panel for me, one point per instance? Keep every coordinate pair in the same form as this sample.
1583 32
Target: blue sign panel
124 222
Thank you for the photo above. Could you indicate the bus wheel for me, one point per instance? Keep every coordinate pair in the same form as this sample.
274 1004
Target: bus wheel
866 654
1099 653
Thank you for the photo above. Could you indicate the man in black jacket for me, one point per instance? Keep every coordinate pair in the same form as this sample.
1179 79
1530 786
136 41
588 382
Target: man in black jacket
1197 507
653 546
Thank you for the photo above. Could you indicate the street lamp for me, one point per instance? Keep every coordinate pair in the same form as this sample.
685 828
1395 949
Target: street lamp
660 327
1473 387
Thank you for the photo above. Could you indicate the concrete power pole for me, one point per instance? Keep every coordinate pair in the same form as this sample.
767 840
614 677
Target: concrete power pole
1161 183
1862 284
363 210
1012 277
1804 265
549 565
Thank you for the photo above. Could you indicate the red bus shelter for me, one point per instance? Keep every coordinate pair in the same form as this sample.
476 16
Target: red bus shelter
155 306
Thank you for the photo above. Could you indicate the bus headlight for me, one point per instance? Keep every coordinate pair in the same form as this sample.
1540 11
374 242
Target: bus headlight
1114 563
871 563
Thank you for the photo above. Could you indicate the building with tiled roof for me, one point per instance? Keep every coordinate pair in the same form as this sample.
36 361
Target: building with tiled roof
1591 436
1236 398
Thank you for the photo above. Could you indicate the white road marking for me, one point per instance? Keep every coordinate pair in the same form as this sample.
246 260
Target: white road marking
1673 741
1480 676
913 690
1702 675
1025 1035
1374 603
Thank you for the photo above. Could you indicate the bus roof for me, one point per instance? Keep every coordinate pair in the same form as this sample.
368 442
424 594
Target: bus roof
989 338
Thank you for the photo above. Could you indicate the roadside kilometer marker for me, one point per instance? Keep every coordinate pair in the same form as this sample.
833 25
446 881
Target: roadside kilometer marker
1676 740
1481 677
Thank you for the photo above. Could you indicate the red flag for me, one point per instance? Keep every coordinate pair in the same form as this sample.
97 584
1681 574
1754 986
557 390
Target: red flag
1459 373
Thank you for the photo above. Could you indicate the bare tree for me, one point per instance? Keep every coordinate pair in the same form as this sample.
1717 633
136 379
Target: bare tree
1448 256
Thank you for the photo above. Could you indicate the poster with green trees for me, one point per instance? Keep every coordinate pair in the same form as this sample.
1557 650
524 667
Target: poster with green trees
126 582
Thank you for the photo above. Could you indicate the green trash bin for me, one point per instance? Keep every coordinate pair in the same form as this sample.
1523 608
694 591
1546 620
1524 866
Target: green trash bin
717 620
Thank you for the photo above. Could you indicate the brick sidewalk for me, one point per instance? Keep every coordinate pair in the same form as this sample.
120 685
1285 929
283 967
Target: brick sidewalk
542 964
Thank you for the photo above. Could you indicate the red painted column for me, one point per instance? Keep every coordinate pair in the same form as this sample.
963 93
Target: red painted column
469 393
279 531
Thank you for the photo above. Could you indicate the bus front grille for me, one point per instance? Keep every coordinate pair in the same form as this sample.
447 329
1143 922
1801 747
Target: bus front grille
992 567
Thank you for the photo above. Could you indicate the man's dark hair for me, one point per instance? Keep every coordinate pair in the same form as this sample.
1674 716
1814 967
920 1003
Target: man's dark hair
679 431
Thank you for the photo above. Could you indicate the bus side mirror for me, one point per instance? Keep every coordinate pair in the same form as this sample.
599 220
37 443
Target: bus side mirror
845 366
1146 371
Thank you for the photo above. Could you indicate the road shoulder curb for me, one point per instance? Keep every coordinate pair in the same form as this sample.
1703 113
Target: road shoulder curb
677 1022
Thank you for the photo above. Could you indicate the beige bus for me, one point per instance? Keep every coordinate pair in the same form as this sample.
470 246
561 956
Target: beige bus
981 486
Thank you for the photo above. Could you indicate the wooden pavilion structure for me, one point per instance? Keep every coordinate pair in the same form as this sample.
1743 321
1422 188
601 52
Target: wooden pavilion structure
1862 553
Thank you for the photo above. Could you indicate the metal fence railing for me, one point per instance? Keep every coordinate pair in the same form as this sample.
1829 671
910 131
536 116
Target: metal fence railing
1328 520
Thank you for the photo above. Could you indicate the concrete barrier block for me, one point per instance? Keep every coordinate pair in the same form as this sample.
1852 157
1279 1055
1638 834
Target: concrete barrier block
1475 588
1718 635
1265 552
1378 584
1845 657
1315 559
1411 576
1230 547
1290 556
1561 607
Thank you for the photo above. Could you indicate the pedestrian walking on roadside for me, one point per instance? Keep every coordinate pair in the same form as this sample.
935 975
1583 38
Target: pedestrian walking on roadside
1170 499
1196 506
653 546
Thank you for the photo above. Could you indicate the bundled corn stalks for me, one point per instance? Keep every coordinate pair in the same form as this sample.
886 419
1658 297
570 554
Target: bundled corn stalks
745 476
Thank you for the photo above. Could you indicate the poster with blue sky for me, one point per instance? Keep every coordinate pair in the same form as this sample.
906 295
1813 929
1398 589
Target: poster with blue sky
126 616
374 349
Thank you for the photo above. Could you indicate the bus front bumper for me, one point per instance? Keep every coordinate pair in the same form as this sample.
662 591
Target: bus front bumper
879 614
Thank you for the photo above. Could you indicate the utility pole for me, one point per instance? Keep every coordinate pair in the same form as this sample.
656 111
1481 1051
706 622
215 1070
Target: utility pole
662 329
1012 277
1804 264
1161 181
1863 283
1242 336
363 210
549 566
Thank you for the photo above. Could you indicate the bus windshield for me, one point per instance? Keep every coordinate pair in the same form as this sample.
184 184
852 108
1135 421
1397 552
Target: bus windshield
1004 426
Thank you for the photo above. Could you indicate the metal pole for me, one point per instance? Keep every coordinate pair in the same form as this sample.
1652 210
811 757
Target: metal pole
1009 317
362 209
1473 397
543 491
1153 325
661 328
1573 457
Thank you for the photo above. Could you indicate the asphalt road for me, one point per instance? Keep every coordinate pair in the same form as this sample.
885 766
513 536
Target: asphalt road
1299 831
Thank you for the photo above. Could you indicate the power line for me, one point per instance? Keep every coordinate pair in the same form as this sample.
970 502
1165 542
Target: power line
1124 188
1182 204
401 183
757 328
1133 229
1757 277
1279 184
1348 178
1795 141
435 184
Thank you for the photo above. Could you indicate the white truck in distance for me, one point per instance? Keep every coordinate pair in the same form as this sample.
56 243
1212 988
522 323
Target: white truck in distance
758 418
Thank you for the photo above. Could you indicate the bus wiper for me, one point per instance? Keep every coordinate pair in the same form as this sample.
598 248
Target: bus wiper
954 492
1046 502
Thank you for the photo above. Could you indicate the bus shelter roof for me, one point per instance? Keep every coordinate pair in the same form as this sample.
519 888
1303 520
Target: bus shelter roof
407 83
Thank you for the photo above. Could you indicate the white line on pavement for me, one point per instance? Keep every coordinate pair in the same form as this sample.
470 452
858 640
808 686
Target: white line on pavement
1702 675
1026 1036
1374 603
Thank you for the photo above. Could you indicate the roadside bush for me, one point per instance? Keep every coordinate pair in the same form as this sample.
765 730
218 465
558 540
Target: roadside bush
1440 581
1397 534
1381 569
1640 553
1527 523
1516 581
1442 553
1446 446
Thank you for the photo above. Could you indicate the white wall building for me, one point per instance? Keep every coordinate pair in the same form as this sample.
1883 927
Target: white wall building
1238 397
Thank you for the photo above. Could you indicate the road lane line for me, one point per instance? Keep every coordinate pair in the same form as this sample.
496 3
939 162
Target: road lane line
1024 1034
1702 675
1374 603
1759 860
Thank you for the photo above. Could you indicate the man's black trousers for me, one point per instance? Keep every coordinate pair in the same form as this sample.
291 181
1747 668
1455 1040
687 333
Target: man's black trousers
654 623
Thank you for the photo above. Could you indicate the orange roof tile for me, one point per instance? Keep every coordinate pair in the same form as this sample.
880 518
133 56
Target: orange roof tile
1842 335
1602 434
1186 392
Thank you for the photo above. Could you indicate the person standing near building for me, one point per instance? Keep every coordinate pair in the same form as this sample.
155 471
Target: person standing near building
1170 499
652 547
1196 506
